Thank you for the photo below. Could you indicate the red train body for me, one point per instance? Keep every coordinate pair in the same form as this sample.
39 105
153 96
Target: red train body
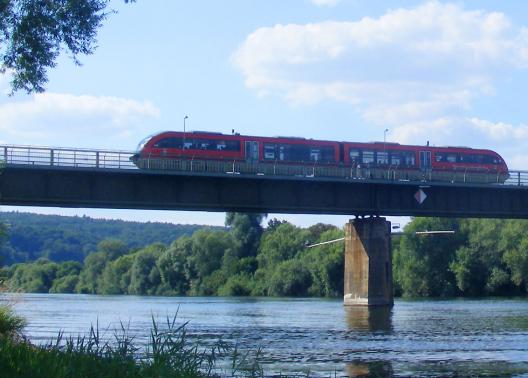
289 155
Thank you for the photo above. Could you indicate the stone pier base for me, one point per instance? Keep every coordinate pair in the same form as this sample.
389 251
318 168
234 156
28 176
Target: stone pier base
368 263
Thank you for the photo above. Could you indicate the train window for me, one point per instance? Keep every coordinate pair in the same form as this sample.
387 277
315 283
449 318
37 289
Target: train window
409 158
395 158
299 153
143 142
315 154
168 143
269 151
232 145
282 152
327 154
355 155
201 144
445 157
478 159
368 157
382 157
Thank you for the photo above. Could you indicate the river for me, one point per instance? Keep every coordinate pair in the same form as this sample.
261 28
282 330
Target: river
318 337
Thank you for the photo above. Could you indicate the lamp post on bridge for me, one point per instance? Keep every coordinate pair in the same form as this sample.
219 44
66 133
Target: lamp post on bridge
385 156
184 119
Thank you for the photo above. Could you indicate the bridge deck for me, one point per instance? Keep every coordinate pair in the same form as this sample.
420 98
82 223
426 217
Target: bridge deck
107 179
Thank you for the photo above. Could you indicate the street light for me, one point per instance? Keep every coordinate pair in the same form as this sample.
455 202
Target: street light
184 118
385 156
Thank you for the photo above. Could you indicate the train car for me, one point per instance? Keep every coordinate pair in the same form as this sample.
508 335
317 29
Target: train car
453 164
201 151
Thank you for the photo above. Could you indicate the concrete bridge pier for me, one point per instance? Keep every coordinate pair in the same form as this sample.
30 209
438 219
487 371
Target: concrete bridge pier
368 263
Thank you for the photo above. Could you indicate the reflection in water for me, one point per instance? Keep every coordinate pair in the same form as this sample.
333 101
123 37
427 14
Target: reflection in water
373 319
365 319
369 369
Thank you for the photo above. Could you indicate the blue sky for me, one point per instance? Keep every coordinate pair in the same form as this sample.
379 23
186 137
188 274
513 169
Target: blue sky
452 73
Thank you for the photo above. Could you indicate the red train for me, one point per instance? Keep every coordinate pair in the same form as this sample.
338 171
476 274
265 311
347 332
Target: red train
216 152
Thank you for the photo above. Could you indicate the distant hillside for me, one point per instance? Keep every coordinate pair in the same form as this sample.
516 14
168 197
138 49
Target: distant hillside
62 238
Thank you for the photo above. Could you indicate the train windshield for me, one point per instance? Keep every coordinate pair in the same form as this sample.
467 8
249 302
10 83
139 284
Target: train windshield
143 142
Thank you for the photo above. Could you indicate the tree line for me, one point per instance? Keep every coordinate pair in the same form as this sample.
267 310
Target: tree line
245 259
62 238
482 257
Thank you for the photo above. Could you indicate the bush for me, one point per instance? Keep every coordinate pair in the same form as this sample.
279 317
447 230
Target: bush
11 325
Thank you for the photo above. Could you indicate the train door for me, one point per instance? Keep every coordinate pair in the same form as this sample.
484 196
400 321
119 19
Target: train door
425 160
252 151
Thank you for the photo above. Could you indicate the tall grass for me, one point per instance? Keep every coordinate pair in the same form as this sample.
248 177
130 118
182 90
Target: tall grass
168 353
11 325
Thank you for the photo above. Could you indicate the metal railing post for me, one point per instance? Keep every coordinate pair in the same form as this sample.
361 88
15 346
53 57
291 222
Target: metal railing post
97 159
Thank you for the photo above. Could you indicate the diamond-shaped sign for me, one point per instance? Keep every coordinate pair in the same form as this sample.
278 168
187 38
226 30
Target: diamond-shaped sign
420 196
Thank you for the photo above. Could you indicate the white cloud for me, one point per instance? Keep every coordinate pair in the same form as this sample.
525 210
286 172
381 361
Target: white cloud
508 140
500 131
406 67
329 3
85 121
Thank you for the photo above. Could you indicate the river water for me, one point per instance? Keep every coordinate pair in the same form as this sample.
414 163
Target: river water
315 337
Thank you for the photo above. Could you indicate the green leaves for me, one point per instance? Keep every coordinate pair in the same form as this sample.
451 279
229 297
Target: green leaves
33 33
484 257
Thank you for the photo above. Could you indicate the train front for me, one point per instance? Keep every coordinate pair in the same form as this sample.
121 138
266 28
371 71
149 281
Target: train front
137 158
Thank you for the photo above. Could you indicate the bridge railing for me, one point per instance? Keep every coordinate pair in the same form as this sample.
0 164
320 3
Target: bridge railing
519 178
66 157
108 159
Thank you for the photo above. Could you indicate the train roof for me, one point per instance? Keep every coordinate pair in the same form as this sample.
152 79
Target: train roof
387 144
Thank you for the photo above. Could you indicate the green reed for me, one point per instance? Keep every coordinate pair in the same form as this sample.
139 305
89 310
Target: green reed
168 353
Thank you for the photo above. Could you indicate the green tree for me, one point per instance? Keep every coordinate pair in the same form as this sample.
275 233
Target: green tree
175 269
325 263
33 33
421 263
278 245
479 266
290 278
237 285
3 235
144 274
208 249
247 230
36 277
514 246
66 284
471 271
90 276
113 248
116 276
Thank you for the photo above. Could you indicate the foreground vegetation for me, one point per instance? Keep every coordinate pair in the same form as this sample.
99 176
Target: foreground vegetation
168 353
483 257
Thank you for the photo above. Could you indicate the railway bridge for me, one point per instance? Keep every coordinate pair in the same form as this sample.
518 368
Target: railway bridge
43 176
